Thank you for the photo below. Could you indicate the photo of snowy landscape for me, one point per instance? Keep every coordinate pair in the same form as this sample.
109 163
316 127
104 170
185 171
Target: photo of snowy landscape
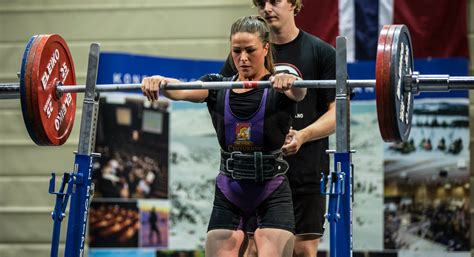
426 203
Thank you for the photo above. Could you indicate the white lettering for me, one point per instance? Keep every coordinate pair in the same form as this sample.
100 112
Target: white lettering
407 113
60 118
407 55
68 99
90 170
136 79
117 78
86 205
400 68
83 239
49 68
369 89
44 80
299 116
62 112
127 78
48 107
402 111
64 71
86 208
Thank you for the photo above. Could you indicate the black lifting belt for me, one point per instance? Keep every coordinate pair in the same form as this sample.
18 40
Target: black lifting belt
255 166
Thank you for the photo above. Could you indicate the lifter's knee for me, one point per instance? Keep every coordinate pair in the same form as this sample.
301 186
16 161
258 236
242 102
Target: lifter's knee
223 242
249 249
272 242
306 246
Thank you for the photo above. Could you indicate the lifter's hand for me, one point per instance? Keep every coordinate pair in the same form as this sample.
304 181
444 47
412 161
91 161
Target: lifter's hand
293 141
151 86
282 82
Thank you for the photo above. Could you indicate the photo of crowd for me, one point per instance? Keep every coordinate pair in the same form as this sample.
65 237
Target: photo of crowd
130 209
133 143
426 207
445 224
113 224
121 174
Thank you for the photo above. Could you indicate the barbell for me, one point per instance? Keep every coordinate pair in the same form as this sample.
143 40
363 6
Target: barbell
47 87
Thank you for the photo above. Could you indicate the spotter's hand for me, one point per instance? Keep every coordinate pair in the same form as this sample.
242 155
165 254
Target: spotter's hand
293 142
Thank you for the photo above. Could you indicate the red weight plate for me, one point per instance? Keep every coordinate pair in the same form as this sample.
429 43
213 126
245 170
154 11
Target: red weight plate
383 95
379 69
25 89
36 133
390 110
33 96
53 64
394 62
33 99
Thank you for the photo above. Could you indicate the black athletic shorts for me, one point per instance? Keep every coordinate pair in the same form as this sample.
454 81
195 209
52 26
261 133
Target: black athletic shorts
309 212
276 211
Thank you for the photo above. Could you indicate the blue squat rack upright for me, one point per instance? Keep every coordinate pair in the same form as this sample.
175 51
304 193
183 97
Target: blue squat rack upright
78 184
340 180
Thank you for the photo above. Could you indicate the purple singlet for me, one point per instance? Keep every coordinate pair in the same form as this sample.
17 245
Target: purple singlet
246 135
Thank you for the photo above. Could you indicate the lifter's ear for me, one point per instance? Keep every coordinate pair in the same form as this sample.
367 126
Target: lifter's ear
265 48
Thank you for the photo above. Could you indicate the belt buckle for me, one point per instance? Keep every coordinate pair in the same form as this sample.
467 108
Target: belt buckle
231 171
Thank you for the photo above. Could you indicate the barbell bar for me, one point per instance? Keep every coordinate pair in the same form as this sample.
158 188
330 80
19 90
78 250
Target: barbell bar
12 90
47 86
414 83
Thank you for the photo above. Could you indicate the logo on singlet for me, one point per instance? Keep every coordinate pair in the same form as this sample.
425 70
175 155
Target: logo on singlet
243 141
242 131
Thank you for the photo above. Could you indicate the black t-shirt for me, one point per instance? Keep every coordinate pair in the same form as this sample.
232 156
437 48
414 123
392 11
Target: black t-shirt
311 59
278 112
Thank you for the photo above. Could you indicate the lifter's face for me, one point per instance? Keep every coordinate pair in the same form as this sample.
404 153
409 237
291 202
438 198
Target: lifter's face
278 13
248 53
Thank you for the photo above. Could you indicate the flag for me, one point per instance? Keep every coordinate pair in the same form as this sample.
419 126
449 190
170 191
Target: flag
438 28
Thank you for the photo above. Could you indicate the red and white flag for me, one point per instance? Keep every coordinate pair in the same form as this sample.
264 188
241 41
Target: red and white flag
438 28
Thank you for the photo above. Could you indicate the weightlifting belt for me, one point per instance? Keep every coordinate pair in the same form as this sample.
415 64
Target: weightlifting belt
255 166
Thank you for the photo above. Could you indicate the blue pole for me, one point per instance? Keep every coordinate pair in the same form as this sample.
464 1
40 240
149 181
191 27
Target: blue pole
341 239
79 208
59 210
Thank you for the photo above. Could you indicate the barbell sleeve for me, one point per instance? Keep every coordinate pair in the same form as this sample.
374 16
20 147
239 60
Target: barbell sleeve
442 83
10 91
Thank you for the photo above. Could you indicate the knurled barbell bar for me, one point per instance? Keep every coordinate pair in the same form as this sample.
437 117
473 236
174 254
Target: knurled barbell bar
48 100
